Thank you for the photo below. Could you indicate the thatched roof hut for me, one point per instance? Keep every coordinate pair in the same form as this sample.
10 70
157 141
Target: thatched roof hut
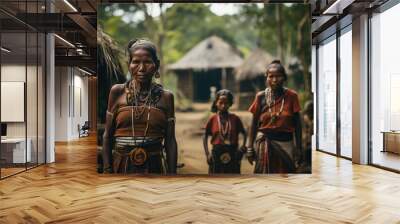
210 63
210 53
109 54
250 76
109 69
254 66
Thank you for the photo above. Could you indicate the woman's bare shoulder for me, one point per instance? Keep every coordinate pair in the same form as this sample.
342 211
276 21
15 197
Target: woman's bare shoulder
117 89
167 94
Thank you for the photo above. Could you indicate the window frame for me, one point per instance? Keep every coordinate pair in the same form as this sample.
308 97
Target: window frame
342 27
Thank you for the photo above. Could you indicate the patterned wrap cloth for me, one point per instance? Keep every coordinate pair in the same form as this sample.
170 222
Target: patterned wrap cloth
275 148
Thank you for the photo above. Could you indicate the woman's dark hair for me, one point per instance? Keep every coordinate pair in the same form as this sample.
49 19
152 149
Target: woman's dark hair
222 92
277 64
145 44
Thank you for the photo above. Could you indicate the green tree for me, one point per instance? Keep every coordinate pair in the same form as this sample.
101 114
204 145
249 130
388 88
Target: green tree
280 29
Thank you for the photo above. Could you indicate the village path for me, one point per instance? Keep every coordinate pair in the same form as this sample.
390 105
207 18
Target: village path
189 133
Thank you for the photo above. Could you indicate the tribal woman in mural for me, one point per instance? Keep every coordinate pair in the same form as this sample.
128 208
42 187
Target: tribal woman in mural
224 128
139 134
276 127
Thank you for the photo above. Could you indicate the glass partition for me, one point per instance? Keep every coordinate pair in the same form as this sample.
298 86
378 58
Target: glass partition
31 98
41 96
14 151
22 89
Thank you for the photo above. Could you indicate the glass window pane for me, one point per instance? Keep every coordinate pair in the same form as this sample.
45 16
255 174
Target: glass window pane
327 96
346 94
385 84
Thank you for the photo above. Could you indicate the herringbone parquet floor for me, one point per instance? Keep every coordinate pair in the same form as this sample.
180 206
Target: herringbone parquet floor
70 191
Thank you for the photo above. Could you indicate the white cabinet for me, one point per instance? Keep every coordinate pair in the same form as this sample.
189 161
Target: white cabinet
16 148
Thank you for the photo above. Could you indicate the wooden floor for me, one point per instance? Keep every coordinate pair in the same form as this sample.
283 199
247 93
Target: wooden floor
10 171
386 159
70 191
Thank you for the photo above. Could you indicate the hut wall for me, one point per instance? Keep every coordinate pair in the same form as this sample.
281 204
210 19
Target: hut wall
202 81
231 82
196 85
248 91
185 83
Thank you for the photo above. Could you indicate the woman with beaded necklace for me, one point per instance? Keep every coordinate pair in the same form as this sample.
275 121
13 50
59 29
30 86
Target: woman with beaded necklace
276 123
139 133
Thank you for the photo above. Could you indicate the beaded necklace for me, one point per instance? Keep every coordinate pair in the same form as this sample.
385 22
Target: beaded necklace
224 130
270 101
138 112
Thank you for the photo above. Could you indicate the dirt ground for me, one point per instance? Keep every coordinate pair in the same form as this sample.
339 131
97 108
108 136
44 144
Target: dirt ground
189 132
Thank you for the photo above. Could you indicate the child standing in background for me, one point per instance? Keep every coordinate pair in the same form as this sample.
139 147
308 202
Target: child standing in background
224 129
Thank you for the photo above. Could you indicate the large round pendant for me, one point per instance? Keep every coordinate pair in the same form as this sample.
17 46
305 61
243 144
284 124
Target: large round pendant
225 158
138 156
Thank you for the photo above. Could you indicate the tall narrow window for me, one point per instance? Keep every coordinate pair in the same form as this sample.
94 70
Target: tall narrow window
385 84
327 95
346 92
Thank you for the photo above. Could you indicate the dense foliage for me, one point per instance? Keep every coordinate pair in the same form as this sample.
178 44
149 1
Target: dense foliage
283 30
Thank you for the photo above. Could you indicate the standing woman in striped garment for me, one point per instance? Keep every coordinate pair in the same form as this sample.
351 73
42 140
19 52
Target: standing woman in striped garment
276 125
139 134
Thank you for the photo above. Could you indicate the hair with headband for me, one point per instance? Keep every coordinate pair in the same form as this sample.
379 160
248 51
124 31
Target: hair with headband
279 67
147 45
222 92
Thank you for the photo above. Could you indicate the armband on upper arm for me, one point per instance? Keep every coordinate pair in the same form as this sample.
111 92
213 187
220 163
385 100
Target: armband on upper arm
109 117
171 119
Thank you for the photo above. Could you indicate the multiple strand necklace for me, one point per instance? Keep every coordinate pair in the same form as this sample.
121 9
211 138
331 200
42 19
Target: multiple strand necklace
270 101
224 130
138 111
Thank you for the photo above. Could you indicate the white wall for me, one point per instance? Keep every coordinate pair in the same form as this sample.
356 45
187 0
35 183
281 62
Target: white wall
10 73
16 73
80 112
61 103
34 124
71 94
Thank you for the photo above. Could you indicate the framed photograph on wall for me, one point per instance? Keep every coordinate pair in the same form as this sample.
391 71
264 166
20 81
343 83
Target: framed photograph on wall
204 88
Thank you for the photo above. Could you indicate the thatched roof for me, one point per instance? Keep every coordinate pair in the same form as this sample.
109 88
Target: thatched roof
108 54
255 65
109 70
210 53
